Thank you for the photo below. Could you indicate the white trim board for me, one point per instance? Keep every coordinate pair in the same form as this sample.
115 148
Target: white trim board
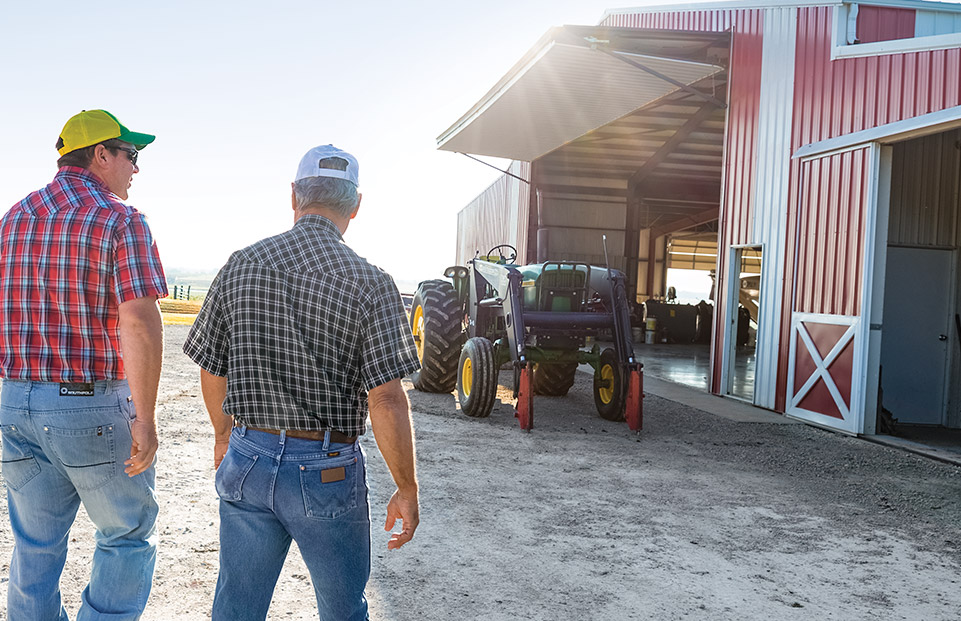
898 46
771 189
923 125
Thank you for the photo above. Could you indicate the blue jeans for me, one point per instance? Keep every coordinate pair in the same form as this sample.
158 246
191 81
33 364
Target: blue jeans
273 489
59 451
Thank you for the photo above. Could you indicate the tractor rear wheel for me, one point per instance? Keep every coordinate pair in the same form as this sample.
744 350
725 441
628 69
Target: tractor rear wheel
609 386
477 378
435 320
554 380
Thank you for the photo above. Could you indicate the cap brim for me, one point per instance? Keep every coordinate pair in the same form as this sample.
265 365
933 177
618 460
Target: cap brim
136 139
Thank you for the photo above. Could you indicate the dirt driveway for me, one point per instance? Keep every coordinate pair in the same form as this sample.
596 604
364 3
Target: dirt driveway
699 517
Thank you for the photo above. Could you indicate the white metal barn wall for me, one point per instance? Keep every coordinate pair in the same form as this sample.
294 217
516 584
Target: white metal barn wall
775 121
928 23
572 230
498 215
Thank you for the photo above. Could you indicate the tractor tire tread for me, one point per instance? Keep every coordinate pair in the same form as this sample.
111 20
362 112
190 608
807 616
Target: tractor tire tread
554 380
442 336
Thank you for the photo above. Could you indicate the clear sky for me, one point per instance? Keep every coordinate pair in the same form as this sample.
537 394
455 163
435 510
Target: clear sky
236 93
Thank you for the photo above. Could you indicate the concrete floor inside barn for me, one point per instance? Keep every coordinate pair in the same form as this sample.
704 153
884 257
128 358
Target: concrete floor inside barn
679 371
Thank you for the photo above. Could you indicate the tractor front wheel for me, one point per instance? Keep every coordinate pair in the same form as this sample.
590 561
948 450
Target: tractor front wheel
609 386
477 378
554 380
435 320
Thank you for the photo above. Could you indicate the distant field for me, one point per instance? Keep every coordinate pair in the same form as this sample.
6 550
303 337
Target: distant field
179 312
180 306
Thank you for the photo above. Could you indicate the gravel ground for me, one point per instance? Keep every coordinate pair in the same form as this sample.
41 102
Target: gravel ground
698 517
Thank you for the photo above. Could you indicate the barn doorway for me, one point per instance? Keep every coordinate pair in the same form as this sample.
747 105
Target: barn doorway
743 326
914 345
920 346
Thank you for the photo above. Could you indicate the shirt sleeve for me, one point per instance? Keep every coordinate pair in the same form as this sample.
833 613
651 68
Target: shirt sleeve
387 349
138 272
208 342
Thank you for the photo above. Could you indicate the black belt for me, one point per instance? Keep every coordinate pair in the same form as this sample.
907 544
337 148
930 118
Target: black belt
335 436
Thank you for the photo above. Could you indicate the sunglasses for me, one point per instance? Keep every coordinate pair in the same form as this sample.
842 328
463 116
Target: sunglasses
131 154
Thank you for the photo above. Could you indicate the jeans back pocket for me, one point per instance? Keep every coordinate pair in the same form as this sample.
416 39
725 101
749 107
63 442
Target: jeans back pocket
233 469
329 487
19 465
88 454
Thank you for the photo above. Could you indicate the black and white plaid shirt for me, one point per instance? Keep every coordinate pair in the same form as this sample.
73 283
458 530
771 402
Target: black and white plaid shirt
302 328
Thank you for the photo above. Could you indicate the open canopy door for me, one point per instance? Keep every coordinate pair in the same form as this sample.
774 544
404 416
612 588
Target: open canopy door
577 79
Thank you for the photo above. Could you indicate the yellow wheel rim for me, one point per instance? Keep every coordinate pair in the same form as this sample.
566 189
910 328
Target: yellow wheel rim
417 327
605 388
466 377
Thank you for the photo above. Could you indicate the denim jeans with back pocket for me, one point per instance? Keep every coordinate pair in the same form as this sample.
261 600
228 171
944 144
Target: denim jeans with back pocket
275 489
60 451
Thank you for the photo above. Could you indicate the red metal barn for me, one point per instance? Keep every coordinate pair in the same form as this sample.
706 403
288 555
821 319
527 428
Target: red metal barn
814 144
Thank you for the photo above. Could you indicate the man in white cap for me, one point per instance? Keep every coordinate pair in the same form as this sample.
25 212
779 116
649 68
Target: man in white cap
298 335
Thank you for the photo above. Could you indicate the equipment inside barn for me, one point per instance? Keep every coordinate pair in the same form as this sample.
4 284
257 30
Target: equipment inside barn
536 317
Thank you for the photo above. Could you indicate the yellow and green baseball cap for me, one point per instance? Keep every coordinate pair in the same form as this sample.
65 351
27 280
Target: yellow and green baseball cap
94 126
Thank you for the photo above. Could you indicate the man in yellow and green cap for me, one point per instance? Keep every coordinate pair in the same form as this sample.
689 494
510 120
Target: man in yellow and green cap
81 342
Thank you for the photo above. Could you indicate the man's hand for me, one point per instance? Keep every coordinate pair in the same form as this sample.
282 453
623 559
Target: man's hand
402 507
220 449
143 448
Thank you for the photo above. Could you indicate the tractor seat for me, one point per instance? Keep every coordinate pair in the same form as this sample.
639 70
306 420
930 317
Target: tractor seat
561 287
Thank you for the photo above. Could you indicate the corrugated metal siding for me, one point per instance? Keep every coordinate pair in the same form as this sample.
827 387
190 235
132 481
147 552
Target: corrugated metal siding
771 198
830 234
833 98
499 215
742 127
843 96
704 21
925 175
879 23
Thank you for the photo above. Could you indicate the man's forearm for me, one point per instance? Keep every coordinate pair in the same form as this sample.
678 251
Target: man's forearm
214 390
394 432
141 337
390 420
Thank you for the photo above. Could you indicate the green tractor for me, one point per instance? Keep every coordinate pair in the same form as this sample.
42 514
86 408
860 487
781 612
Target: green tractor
537 317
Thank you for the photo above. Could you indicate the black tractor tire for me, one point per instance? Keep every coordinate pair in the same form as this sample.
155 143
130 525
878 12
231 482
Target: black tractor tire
610 387
477 378
554 380
435 320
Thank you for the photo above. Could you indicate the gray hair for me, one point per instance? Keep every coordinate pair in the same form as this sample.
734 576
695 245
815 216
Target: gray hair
337 195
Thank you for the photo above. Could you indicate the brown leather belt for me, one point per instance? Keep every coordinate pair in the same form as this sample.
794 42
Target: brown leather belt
335 436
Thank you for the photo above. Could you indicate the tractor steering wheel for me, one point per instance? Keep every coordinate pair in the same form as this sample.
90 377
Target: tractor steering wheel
508 260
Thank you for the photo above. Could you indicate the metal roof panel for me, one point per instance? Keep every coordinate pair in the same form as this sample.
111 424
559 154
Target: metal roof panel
565 87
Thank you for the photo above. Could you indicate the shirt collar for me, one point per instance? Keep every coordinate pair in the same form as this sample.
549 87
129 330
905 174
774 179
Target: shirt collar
319 223
75 172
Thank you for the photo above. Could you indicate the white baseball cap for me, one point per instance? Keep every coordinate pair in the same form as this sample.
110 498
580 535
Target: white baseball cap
310 164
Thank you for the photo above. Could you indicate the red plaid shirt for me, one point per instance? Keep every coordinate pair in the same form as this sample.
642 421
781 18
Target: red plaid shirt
70 253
